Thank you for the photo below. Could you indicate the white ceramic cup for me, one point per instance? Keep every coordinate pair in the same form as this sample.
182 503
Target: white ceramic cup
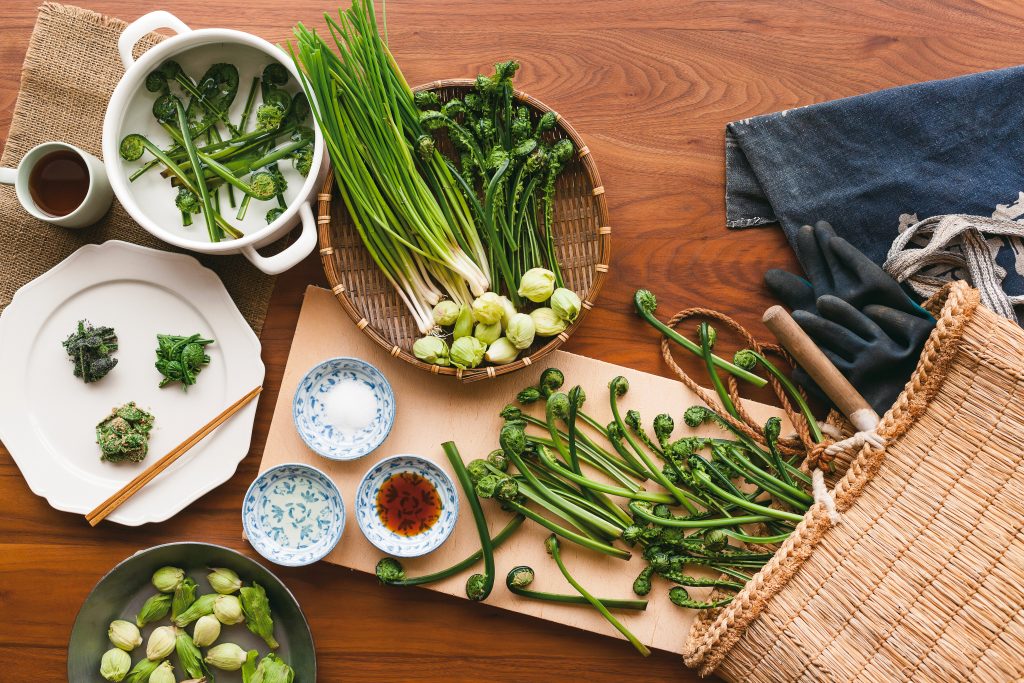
97 199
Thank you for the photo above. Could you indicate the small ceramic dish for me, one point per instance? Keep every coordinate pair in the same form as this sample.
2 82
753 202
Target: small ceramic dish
293 514
312 409
369 514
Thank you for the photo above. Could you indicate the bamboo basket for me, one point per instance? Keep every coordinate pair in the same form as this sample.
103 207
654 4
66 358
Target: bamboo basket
581 232
923 577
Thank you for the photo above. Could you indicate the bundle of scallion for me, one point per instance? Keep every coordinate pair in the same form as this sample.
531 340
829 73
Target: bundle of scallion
402 196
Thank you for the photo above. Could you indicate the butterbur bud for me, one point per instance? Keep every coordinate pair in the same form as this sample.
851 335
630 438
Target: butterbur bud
446 312
467 352
166 579
228 610
566 304
206 631
226 656
160 644
521 330
224 580
537 284
488 308
124 635
546 322
431 350
501 352
115 664
488 334
163 674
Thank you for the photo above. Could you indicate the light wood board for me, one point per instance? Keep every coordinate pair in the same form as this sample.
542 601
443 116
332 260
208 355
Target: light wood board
432 410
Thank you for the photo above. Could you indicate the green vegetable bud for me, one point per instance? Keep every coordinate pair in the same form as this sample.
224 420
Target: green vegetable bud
662 510
256 608
645 301
226 656
551 380
558 405
614 431
715 541
746 359
508 490
633 420
488 308
660 561
528 395
551 544
577 396
695 416
521 330
507 311
663 428
115 664
426 98
124 635
546 122
488 334
566 304
206 631
537 285
184 595
546 323
498 460
431 350
477 469
712 335
163 674
389 570
166 579
272 669
511 412
467 352
463 323
619 386
161 643
642 583
446 312
142 670
228 610
476 587
154 609
224 580
772 428
201 607
631 534
488 486
425 147
520 577
512 439
501 352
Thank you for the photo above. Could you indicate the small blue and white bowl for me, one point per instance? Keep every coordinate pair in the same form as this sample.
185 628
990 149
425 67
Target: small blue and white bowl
387 540
293 514
309 409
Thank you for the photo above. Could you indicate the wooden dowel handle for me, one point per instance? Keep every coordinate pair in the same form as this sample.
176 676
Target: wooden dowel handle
820 368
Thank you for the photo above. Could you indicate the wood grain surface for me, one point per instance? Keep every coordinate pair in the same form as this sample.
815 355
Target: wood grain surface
649 85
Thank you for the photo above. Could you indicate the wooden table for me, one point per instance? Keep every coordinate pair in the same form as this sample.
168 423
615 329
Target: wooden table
650 86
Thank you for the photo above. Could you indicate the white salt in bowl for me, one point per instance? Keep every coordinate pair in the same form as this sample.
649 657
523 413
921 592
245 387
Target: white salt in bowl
343 408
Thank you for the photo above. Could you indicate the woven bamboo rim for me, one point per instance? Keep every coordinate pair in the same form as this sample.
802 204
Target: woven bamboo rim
949 611
582 240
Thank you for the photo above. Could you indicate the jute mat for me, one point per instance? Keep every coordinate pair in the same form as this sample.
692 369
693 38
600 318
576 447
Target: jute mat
70 71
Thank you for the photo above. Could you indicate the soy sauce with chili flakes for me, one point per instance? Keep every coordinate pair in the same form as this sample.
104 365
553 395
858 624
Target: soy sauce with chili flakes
408 504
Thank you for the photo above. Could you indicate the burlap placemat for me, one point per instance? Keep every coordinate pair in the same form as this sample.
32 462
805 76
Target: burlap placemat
70 71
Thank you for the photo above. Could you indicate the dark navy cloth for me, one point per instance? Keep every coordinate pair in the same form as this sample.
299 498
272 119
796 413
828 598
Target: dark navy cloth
872 164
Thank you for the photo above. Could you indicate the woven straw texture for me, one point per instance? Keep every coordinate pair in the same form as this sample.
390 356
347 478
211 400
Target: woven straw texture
922 579
70 70
582 242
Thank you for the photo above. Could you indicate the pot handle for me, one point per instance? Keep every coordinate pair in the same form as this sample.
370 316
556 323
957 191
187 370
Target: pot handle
278 263
147 23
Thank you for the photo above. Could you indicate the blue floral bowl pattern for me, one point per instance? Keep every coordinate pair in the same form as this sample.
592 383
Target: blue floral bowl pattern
308 409
385 539
293 514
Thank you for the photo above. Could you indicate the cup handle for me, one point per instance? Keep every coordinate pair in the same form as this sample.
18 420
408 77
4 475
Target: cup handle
278 263
8 176
147 23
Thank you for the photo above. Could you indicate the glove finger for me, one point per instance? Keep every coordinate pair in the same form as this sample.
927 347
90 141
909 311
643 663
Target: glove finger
906 329
813 261
830 336
844 314
873 282
792 290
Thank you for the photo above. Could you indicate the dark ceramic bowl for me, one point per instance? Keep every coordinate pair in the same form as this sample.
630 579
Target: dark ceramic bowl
120 594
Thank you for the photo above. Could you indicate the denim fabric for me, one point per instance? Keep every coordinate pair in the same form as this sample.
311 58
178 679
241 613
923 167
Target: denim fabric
873 164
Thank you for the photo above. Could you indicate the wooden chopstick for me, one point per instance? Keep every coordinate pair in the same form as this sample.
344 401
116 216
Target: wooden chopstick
135 485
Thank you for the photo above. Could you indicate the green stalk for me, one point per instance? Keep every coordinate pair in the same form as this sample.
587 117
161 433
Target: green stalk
552 547
568 534
204 193
705 480
610 603
482 590
709 523
550 463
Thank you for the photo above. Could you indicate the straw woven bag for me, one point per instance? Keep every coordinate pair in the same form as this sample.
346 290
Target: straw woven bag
923 577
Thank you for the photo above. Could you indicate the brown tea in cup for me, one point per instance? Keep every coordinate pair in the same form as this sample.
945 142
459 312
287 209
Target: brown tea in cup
59 182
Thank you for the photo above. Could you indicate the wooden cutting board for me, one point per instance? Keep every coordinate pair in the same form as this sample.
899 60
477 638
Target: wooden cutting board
432 410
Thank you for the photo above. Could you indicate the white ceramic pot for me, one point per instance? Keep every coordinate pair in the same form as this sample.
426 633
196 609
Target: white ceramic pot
150 199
